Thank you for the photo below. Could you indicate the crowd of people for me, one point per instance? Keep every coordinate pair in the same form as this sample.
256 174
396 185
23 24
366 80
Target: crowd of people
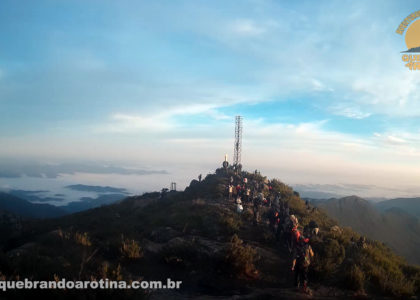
284 225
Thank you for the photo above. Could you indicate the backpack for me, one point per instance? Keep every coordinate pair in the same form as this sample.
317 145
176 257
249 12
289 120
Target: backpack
305 256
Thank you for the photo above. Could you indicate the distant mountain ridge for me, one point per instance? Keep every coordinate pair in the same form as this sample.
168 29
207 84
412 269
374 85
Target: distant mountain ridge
24 208
394 226
409 205
27 209
86 203
96 188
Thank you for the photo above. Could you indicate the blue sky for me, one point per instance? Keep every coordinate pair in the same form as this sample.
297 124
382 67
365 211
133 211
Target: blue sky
321 86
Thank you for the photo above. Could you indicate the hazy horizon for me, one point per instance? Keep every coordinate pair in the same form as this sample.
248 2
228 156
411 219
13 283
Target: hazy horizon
152 91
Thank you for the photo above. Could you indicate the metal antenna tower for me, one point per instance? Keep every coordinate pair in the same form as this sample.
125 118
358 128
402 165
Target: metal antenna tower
238 141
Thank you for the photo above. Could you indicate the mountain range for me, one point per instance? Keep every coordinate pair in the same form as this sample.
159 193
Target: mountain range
409 205
23 206
388 221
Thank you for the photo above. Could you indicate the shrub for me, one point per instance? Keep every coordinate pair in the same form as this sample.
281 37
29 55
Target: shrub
82 239
329 255
117 274
231 224
131 249
248 215
356 278
103 270
241 258
391 282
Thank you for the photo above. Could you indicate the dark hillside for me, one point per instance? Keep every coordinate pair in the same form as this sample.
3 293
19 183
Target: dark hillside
27 209
196 236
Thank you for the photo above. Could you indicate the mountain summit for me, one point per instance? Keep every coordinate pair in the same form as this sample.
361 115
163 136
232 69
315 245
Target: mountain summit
197 237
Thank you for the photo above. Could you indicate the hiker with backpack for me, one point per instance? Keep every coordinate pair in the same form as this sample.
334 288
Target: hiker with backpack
294 235
301 262
238 190
257 204
247 195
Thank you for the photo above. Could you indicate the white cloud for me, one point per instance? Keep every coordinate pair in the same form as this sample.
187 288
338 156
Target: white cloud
319 86
393 93
246 28
129 123
349 111
163 121
395 140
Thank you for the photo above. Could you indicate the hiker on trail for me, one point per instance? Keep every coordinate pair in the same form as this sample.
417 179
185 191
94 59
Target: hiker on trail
276 202
239 207
294 239
265 200
257 204
314 228
294 220
274 219
269 201
246 194
272 216
230 191
285 229
281 204
292 233
286 210
238 190
163 193
199 178
301 262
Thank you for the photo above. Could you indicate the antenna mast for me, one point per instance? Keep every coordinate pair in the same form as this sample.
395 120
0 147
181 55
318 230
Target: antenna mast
238 141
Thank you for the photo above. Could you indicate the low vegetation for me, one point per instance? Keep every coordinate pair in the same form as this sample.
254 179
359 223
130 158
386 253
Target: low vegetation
131 249
203 242
241 258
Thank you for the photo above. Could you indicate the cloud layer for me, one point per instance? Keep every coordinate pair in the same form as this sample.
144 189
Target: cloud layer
323 95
